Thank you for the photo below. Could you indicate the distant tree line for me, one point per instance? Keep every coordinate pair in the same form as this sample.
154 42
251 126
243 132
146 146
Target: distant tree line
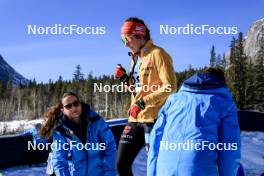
33 100
244 78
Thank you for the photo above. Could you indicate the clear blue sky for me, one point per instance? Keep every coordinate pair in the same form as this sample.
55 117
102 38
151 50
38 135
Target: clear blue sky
47 57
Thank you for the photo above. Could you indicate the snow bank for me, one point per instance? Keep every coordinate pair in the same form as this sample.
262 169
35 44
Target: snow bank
252 152
17 126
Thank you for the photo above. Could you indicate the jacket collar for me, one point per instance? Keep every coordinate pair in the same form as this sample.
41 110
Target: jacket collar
146 48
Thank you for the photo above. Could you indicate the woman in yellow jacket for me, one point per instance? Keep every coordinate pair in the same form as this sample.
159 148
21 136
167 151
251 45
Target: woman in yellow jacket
151 80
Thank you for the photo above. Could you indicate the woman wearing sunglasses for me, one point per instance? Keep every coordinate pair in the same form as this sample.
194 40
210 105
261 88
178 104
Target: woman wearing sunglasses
151 80
83 143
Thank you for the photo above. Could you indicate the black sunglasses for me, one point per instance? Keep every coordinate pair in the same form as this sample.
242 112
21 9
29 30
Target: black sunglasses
70 105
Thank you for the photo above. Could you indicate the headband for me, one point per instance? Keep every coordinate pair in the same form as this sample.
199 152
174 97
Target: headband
133 28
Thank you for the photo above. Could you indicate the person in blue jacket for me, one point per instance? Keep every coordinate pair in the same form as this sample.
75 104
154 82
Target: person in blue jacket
83 143
197 131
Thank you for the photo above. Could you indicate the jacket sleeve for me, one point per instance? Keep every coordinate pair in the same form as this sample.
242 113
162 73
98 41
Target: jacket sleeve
164 66
155 139
109 154
59 155
229 133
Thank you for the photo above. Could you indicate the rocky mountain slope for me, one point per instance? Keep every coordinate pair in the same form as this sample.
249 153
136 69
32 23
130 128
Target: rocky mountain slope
9 73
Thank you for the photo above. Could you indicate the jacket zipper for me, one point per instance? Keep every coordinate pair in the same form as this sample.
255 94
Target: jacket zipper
86 154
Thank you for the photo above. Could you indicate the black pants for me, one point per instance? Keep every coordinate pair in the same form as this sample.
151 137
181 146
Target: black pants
131 142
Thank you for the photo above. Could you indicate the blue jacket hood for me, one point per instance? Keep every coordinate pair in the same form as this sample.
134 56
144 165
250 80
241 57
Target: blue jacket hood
203 81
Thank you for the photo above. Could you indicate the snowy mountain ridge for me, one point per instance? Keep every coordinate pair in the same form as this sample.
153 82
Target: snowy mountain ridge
8 73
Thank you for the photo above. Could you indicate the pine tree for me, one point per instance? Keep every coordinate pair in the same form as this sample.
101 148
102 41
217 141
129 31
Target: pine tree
237 71
212 57
219 61
89 89
259 81
78 75
250 87
190 71
224 61
2 89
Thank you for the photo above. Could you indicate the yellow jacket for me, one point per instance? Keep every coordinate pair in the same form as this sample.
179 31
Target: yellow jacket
157 78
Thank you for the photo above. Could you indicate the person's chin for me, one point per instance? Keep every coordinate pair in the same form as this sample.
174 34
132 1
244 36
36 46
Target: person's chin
134 51
76 116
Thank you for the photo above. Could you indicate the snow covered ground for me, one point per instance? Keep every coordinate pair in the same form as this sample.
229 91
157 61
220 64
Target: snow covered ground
17 126
252 159
253 152
25 171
